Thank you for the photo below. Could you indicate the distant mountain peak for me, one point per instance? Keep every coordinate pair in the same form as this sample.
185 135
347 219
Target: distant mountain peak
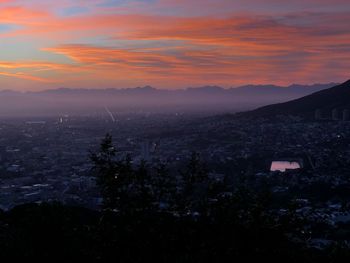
206 88
145 88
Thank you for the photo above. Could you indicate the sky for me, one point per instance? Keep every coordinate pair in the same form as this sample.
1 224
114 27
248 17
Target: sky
172 43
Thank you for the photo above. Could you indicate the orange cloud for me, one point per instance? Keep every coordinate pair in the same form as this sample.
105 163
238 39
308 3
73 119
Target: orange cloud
24 76
21 15
231 50
186 66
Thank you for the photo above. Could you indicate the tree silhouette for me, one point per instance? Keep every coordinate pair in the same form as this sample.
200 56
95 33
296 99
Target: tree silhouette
142 188
113 176
195 186
164 187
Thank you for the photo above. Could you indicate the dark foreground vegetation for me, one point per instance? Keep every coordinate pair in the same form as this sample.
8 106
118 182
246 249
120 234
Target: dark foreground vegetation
53 231
152 215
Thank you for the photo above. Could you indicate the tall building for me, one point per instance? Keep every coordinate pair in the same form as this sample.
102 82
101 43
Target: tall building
145 151
335 115
346 115
318 114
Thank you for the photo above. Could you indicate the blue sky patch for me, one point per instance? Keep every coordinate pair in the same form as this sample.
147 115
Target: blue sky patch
74 10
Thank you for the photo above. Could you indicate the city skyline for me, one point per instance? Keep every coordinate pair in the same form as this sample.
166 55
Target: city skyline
171 44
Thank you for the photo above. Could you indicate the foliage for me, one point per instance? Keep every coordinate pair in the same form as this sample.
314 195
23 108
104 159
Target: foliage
154 214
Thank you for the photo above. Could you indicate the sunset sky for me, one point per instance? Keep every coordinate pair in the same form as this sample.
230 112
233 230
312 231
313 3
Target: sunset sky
172 43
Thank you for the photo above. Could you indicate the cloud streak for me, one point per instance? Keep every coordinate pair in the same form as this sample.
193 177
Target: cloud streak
110 44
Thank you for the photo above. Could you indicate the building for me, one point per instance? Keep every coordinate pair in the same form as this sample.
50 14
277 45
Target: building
335 115
145 151
346 115
318 114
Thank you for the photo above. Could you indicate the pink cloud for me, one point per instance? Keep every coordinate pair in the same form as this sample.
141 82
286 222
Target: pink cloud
225 46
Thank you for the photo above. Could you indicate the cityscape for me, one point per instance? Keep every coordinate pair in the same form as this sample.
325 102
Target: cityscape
299 161
175 131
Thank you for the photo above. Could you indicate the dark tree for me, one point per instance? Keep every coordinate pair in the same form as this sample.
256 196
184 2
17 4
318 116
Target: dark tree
196 171
164 187
124 189
142 188
113 176
195 186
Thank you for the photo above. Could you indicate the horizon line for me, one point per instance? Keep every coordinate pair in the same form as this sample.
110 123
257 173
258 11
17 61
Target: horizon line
167 89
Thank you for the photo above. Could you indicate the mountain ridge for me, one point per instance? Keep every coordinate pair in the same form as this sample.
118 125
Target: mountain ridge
209 99
250 87
337 97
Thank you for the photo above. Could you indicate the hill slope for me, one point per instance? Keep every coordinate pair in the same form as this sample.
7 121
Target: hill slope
337 97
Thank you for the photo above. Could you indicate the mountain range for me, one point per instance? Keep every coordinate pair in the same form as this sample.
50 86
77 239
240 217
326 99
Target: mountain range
295 89
208 98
